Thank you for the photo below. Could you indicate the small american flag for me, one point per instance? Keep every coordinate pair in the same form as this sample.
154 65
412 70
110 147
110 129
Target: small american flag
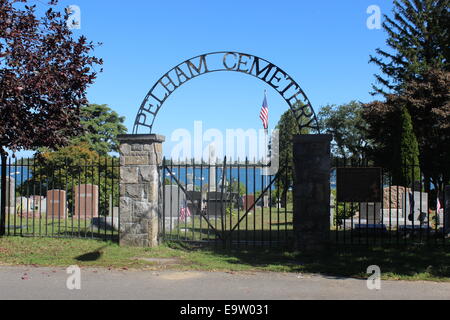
265 113
184 211
438 206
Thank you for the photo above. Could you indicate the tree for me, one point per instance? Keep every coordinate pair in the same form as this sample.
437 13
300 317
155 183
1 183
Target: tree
101 127
406 153
238 188
44 74
429 105
418 35
427 101
349 129
288 128
415 75
71 166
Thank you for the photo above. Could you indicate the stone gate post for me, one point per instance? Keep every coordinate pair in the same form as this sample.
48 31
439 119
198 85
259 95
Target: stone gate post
140 158
312 164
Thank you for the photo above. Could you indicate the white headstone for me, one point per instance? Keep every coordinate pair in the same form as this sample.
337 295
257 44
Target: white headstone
174 200
371 212
212 169
420 206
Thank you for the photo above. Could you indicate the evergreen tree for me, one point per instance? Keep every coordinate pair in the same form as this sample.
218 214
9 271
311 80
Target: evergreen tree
405 167
414 74
288 128
418 35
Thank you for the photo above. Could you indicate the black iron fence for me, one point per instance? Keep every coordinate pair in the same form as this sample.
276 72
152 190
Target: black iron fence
409 209
227 204
60 198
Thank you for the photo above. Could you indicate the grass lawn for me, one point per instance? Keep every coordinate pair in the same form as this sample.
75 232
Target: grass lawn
402 263
260 224
54 227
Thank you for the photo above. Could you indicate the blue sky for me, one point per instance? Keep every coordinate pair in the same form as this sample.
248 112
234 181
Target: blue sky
324 45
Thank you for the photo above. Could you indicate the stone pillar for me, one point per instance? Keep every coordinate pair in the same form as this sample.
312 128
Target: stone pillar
447 210
312 164
140 158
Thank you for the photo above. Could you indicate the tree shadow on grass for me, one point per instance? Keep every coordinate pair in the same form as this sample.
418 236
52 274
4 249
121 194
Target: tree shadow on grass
91 256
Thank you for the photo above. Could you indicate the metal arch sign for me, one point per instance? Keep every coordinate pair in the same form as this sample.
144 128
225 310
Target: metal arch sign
249 64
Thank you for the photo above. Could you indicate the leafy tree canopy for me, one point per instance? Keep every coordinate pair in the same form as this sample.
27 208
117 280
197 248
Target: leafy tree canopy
101 128
346 124
44 74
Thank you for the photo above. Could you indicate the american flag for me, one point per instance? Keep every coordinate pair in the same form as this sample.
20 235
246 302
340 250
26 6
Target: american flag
438 206
184 211
265 113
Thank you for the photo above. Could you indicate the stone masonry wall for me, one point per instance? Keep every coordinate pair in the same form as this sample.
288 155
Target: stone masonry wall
312 162
140 158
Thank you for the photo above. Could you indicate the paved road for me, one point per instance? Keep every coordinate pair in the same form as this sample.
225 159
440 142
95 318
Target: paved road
50 283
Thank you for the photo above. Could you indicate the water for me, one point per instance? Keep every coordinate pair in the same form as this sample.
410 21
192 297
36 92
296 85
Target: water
252 178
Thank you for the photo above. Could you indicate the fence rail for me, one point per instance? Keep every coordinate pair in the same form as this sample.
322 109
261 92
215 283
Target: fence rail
408 212
61 198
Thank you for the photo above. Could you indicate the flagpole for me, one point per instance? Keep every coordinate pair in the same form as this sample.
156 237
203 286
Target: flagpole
267 148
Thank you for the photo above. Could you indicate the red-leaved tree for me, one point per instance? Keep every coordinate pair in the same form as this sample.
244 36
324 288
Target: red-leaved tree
44 75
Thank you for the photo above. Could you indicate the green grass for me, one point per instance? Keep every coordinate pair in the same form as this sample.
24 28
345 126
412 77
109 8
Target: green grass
48 226
259 225
403 263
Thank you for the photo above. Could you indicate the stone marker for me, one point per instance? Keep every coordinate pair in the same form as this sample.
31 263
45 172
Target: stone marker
56 204
33 207
393 197
105 223
420 206
10 194
371 212
332 208
23 207
86 201
194 200
248 200
174 199
212 168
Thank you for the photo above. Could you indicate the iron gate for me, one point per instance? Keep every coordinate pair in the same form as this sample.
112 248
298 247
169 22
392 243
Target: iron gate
232 204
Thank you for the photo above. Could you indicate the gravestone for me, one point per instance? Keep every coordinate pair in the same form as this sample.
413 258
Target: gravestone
86 201
194 200
33 207
266 201
105 223
24 207
215 206
10 194
393 197
420 206
371 212
332 208
212 168
38 204
249 201
56 204
174 199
